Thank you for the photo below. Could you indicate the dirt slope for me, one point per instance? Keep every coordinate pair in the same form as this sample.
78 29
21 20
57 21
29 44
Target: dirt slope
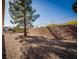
65 32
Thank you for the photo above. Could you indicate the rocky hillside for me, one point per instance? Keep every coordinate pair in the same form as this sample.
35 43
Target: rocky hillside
64 32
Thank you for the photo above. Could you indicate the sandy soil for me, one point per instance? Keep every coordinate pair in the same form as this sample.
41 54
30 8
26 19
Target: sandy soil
19 47
58 43
12 46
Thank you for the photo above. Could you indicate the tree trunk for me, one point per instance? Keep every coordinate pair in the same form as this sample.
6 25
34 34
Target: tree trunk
25 33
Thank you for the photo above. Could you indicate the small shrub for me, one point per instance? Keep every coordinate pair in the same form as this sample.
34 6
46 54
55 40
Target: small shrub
18 29
72 22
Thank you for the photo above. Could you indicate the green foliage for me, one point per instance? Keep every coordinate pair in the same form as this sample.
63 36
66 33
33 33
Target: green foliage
72 22
22 13
74 7
51 24
56 24
19 8
18 29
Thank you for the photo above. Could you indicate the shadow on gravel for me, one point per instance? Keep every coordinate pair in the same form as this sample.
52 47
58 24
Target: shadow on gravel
45 52
48 48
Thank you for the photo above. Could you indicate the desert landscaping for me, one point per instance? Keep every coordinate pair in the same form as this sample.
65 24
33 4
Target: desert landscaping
54 42
39 29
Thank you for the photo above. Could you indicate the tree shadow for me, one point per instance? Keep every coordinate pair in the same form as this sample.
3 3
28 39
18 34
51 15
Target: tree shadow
45 46
44 52
45 41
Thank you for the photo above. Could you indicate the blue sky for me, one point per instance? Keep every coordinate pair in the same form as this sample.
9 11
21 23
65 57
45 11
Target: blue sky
51 11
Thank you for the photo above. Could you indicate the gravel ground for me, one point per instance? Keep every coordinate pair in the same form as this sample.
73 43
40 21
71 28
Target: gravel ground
19 47
42 43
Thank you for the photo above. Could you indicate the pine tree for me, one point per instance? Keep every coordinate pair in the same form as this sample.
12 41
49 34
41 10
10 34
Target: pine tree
74 7
22 13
